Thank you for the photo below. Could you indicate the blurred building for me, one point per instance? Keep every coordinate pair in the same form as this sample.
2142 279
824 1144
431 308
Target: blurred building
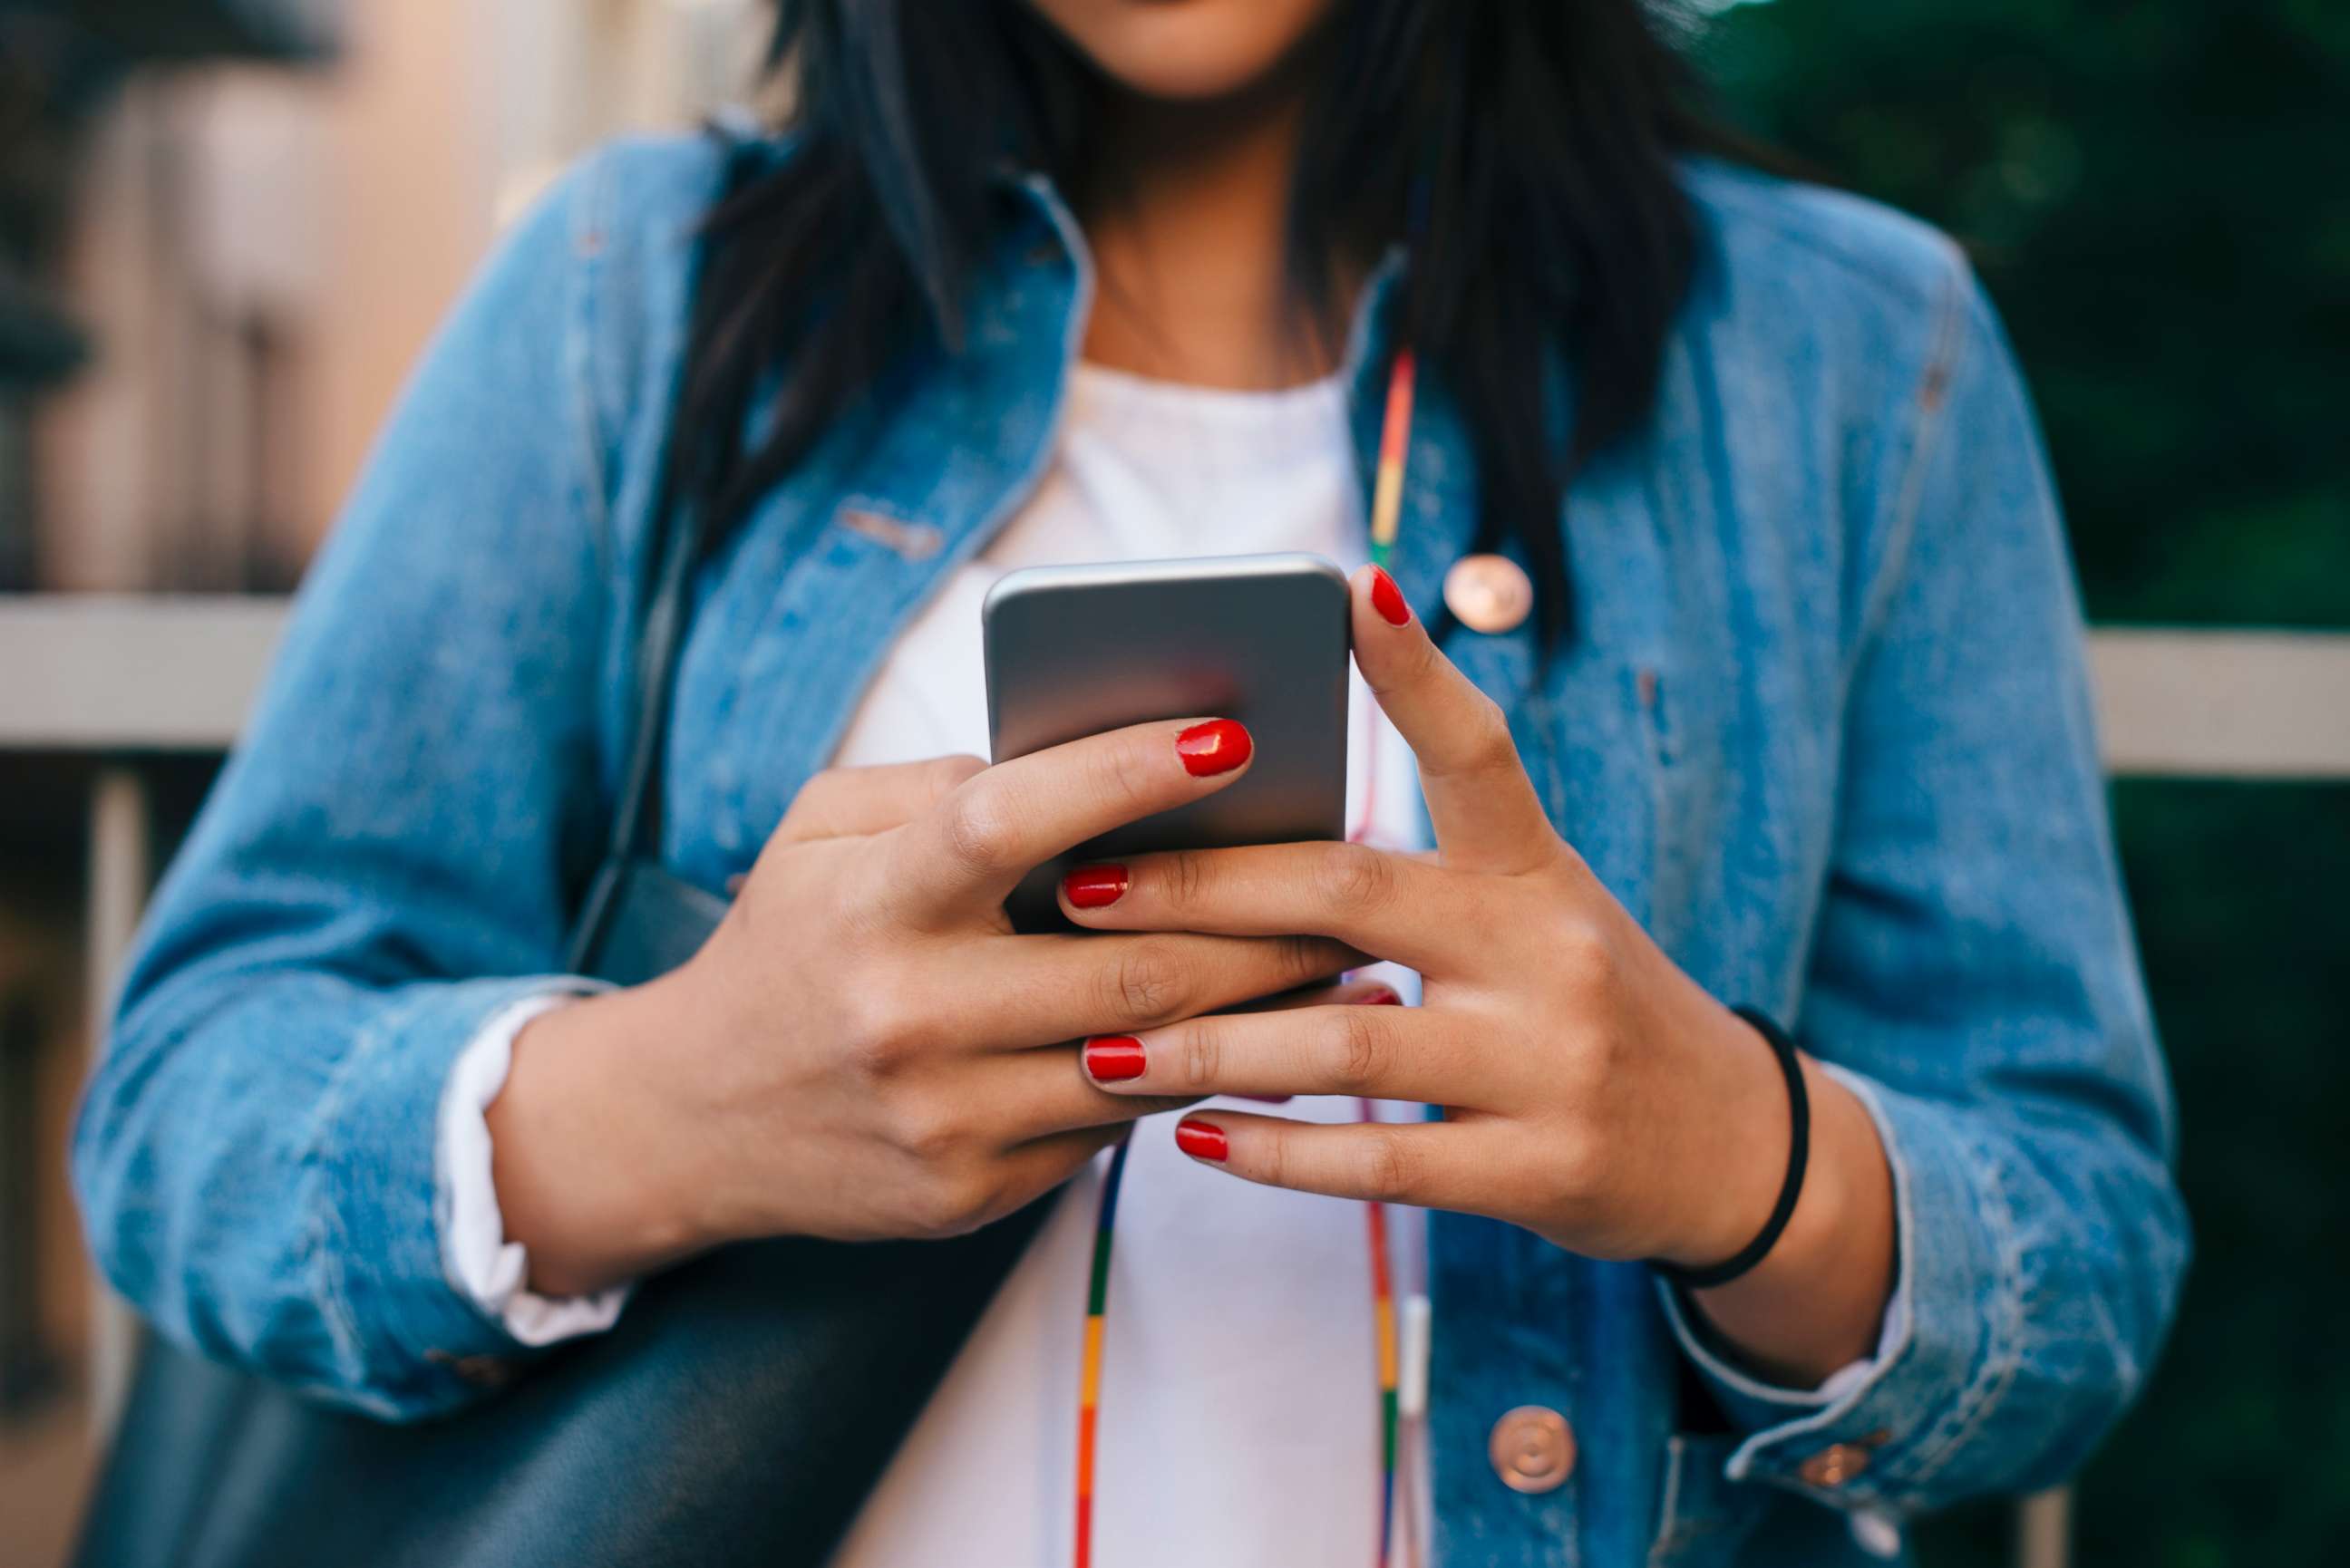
226 229
255 252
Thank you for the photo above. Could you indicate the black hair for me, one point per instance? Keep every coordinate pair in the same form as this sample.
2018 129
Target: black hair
1543 137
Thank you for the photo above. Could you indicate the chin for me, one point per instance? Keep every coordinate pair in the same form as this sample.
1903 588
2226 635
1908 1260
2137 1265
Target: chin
1185 50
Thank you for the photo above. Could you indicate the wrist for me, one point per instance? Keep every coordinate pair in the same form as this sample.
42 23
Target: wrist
593 1171
1732 1155
1816 1301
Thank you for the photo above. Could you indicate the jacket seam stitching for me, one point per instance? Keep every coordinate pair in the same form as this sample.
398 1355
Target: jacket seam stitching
326 1212
324 1240
1987 1391
1900 524
591 235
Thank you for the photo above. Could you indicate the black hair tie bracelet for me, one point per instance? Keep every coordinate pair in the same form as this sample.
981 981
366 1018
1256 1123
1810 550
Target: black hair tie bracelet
1799 1102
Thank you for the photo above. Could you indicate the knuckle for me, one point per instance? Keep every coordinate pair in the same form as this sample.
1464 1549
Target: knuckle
1590 1063
1389 1172
849 903
980 832
941 776
958 1202
1146 983
1357 877
1483 745
878 1036
1579 1164
1491 747
1184 881
1586 959
1201 1054
1272 1162
872 1060
826 807
1120 777
1296 960
1358 1049
928 1127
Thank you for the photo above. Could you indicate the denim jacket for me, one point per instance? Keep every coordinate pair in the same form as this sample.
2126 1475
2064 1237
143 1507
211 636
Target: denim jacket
1823 729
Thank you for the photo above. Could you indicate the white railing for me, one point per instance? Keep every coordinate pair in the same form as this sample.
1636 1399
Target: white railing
117 679
100 674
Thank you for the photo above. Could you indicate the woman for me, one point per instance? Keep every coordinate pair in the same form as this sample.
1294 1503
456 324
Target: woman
1799 723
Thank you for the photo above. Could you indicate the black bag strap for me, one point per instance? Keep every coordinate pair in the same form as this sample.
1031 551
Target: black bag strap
637 809
676 541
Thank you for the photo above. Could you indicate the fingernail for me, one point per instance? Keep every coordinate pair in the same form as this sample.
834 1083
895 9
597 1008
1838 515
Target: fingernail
1095 886
1114 1058
1388 599
1202 1140
1381 999
1218 746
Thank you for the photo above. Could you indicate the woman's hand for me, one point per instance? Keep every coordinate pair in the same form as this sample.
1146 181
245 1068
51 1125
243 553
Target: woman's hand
1593 1092
864 1049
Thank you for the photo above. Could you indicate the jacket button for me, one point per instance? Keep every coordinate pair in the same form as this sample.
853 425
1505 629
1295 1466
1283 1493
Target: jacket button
1533 1450
1840 1462
1490 594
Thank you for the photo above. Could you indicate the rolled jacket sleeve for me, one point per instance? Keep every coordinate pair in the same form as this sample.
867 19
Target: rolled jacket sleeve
1972 978
418 795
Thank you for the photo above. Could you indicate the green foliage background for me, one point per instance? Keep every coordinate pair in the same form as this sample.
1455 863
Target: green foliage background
2158 195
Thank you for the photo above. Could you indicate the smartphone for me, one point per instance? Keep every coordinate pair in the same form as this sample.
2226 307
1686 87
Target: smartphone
1075 650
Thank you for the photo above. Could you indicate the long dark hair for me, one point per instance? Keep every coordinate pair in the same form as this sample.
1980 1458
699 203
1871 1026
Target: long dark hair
1542 136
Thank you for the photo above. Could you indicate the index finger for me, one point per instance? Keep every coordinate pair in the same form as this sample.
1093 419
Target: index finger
1484 807
970 849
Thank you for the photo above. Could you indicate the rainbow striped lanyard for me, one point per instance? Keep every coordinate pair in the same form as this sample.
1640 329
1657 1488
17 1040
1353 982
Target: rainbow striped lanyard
1097 1315
1387 510
1097 1310
1394 450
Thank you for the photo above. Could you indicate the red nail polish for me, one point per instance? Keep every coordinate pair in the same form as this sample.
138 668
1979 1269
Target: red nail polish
1388 599
1202 1140
1114 1058
1095 886
1383 998
1218 746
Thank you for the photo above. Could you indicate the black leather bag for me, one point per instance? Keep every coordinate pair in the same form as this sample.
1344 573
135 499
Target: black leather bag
739 1413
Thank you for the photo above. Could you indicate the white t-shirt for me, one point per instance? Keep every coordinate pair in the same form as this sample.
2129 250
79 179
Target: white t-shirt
1239 1404
1239 1417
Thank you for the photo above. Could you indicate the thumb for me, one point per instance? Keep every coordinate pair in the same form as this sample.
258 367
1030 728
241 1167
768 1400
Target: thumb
1482 805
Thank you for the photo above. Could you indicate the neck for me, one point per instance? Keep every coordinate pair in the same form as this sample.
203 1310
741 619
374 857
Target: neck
1189 244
